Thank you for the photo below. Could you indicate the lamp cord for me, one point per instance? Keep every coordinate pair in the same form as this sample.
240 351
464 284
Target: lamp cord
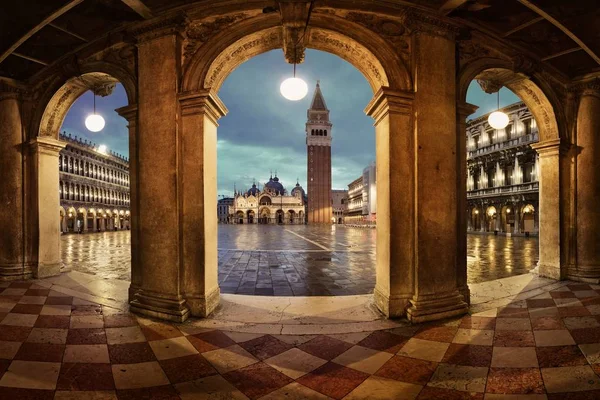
498 99
310 8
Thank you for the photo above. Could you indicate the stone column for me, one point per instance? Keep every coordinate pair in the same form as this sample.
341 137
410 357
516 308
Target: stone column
158 164
587 267
438 177
550 152
518 215
130 113
463 215
44 203
396 241
199 114
13 263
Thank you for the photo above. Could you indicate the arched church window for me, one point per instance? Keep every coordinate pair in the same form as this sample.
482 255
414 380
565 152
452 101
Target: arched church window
325 132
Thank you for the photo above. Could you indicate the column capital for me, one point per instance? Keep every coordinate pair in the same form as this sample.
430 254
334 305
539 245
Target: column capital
388 100
11 89
46 145
464 109
129 112
158 27
202 101
550 147
589 88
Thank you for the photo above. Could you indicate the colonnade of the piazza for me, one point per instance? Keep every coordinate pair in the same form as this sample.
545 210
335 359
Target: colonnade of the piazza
421 201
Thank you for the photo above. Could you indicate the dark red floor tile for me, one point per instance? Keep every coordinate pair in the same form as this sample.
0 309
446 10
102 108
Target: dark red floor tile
433 393
596 368
325 347
12 298
3 367
86 336
20 285
586 335
407 369
14 333
333 380
546 323
37 292
160 331
470 322
514 339
25 394
589 395
579 286
86 310
384 341
188 368
579 311
513 312
27 309
562 295
464 354
540 303
59 301
130 353
560 356
153 393
119 321
208 341
53 321
257 380
79 376
437 333
47 352
514 381
265 347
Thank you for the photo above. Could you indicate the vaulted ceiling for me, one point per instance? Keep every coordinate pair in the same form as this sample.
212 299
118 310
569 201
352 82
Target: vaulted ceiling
561 33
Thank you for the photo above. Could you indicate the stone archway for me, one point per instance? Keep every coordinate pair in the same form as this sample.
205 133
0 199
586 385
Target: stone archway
545 105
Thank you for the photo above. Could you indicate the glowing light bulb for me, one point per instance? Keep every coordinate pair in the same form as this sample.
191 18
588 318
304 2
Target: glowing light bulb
498 120
293 89
94 122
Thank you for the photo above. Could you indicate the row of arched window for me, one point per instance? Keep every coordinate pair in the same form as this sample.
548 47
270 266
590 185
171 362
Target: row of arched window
318 132
76 192
75 166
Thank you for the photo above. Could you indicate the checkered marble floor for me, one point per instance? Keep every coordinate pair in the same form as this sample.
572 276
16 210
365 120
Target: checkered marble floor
53 346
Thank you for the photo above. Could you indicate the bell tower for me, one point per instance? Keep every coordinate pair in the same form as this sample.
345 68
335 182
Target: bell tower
318 169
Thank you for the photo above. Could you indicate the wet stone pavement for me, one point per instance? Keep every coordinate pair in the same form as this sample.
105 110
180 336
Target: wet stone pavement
298 260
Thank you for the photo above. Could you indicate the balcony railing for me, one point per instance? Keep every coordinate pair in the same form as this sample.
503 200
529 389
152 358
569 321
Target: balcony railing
518 141
504 190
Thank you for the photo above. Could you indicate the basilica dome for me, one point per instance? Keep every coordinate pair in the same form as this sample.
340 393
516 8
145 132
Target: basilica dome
253 191
274 186
298 189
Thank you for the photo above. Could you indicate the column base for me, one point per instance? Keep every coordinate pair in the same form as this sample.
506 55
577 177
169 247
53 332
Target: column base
436 306
584 273
46 270
132 291
15 272
155 306
466 294
391 306
203 305
551 271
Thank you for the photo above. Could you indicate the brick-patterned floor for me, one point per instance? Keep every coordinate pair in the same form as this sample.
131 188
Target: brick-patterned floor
56 346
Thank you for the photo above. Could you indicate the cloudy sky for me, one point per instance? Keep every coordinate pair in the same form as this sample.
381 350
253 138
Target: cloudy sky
263 132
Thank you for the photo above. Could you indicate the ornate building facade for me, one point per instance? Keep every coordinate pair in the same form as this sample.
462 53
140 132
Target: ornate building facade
318 169
272 205
503 174
362 198
93 187
339 205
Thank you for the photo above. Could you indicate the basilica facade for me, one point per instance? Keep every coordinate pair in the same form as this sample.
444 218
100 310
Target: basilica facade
271 205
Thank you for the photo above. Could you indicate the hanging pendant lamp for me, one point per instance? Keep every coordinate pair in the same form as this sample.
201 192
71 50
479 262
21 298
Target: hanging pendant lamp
94 122
293 89
498 119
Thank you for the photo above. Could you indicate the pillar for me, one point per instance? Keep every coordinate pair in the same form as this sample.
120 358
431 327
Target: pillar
44 201
517 209
587 266
395 157
438 178
199 114
550 152
13 263
463 216
158 182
